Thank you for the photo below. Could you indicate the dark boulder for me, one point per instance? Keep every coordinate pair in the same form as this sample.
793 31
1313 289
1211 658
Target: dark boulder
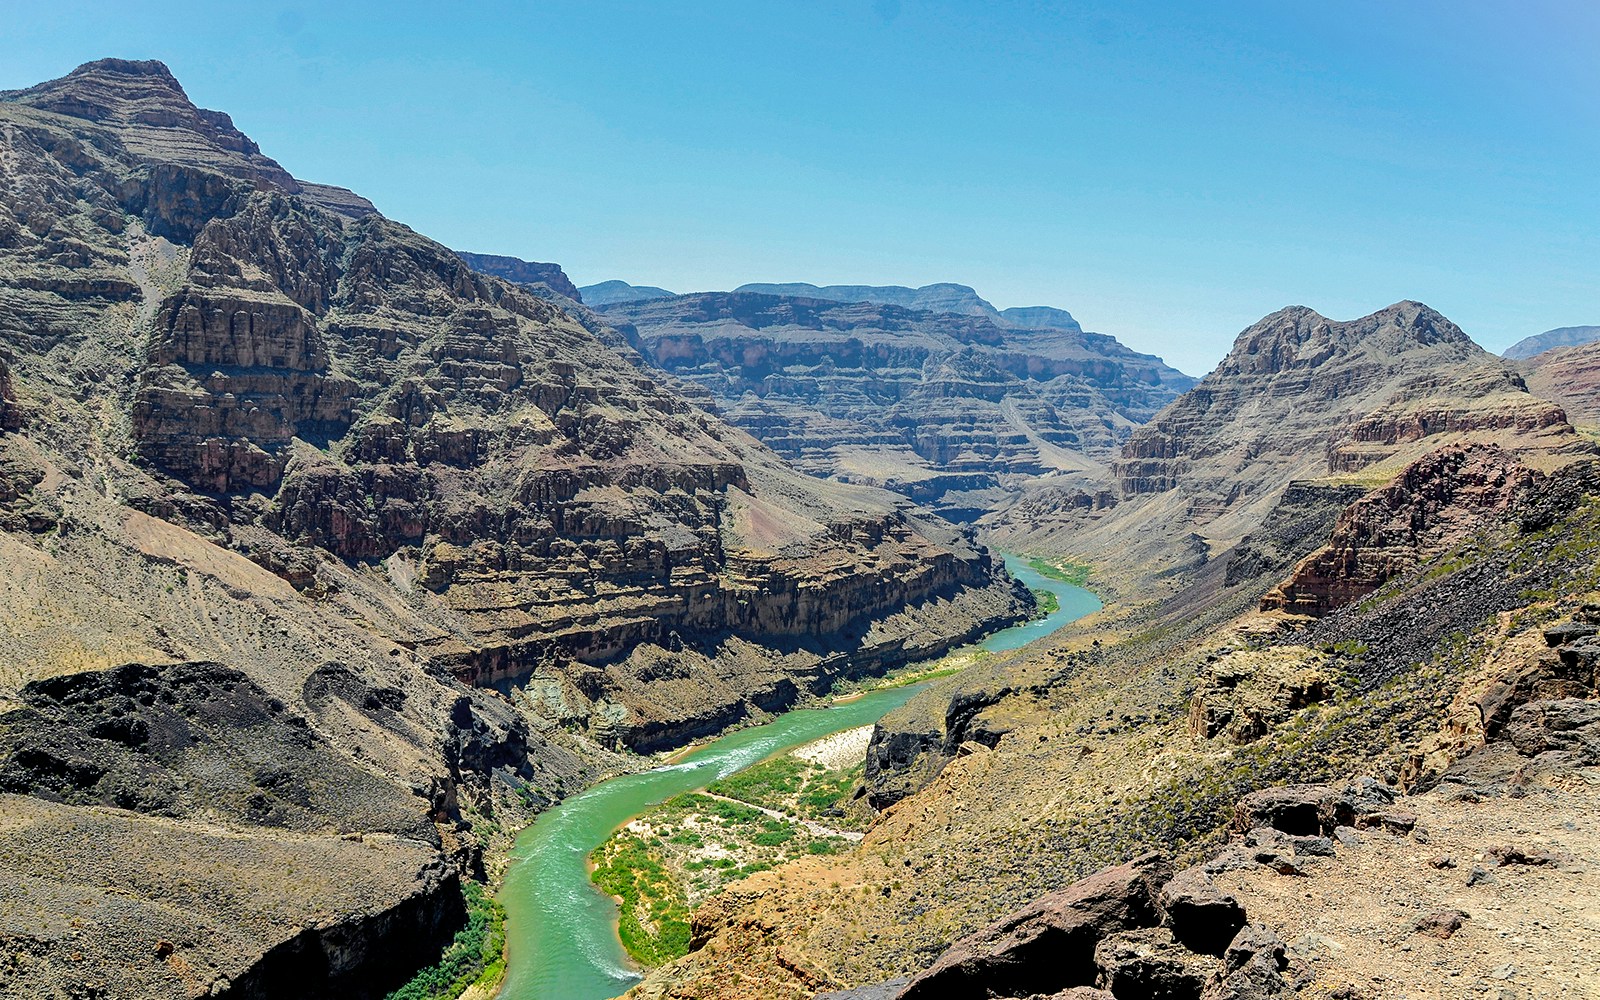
1049 945
1202 916
1252 968
1560 635
1150 964
1569 725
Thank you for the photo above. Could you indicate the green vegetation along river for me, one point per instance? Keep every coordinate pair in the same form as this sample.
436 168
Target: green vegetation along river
561 931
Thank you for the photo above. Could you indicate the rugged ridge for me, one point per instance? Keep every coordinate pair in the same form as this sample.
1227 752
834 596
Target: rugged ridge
1569 376
1566 336
1299 398
310 527
945 407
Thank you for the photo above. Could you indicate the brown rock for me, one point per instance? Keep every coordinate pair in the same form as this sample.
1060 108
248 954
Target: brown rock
1050 944
1442 924
1429 506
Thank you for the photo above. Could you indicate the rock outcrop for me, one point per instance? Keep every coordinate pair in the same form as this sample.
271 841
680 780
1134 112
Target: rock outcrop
1434 503
1050 945
949 407
1569 376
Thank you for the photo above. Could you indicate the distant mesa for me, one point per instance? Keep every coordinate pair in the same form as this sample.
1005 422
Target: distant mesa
1039 318
523 272
942 297
1564 336
608 293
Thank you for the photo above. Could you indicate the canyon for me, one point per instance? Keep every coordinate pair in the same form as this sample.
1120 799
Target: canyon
330 558
313 535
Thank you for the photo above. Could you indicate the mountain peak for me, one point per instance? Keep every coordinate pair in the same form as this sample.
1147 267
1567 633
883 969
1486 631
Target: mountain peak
112 90
156 122
1301 337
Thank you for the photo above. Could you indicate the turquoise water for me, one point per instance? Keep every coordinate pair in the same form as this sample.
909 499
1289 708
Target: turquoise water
561 931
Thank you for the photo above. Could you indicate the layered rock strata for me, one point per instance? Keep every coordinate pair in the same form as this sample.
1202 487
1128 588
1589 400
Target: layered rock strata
310 528
948 406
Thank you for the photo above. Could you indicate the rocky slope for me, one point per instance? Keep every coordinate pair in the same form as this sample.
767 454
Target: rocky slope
1569 376
1385 474
1299 398
310 527
1466 680
1566 336
951 407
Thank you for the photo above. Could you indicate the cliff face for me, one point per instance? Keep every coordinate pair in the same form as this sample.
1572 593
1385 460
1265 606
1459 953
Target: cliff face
947 406
1299 398
307 525
1434 503
523 272
1569 376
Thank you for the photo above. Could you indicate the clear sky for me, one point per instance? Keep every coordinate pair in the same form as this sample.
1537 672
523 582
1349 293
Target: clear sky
1168 172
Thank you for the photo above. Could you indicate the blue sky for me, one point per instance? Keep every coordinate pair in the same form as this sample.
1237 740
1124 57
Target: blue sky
1168 172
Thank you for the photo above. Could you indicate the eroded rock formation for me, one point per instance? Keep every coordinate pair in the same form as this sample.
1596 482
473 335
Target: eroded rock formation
310 526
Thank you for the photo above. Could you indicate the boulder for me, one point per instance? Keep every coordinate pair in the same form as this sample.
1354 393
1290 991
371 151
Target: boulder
1202 916
1150 964
1566 632
1290 809
1252 969
1570 725
1049 945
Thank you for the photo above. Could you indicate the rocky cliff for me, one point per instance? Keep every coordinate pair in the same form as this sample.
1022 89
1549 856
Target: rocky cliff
311 527
1299 398
950 407
1569 376
1432 505
523 272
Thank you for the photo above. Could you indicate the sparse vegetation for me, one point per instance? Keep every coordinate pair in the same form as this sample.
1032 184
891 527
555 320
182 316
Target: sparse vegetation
1045 603
1065 570
475 958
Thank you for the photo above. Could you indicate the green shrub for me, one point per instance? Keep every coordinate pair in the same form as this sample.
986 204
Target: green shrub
475 956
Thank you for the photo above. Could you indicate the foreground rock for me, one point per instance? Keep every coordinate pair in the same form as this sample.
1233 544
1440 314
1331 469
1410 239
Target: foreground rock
1052 944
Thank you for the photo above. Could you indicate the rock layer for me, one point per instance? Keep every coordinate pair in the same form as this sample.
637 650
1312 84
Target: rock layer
310 528
943 406
1434 503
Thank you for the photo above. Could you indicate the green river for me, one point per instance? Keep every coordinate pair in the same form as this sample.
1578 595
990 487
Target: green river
561 931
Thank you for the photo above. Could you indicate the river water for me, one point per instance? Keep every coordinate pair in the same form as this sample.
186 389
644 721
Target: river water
561 931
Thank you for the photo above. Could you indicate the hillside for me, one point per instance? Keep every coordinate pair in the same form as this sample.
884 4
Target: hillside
947 407
1569 376
1300 399
1414 634
1566 336
313 534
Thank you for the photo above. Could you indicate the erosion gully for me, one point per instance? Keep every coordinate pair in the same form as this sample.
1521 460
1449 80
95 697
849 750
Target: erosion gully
562 932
